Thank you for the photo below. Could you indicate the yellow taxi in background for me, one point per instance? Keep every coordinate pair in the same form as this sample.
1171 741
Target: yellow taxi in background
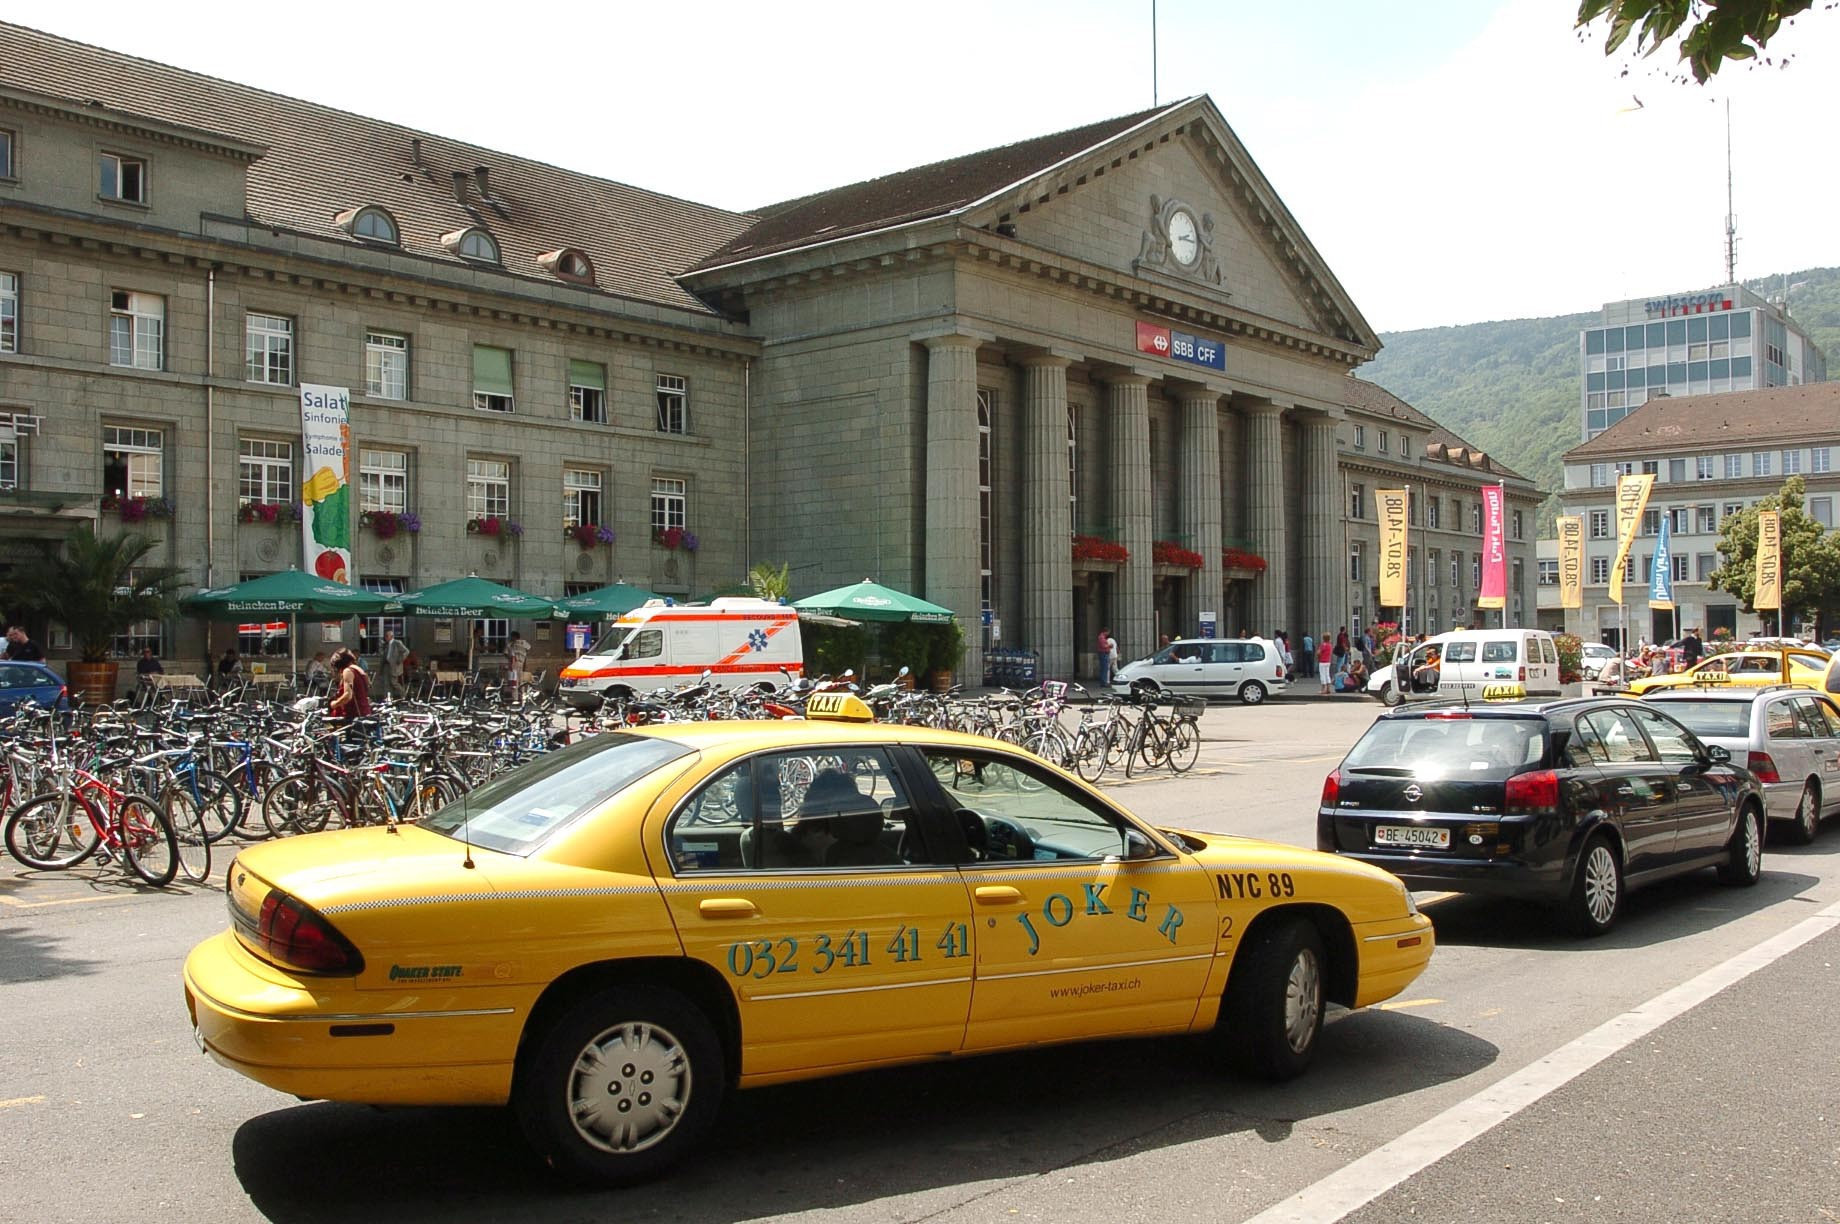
1752 668
614 936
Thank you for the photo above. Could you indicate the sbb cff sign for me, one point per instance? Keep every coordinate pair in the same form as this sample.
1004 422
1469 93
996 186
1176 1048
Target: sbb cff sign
1160 341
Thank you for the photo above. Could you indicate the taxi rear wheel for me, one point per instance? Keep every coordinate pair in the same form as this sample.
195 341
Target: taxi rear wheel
1271 1021
625 1083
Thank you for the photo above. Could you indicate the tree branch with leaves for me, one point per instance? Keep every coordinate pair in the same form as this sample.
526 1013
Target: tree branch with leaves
1810 554
1709 32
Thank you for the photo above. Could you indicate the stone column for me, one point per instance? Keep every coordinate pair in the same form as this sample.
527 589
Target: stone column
1127 402
1265 520
1198 474
1047 517
1320 546
952 543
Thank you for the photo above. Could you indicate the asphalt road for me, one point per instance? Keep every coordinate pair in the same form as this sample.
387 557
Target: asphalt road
1649 1075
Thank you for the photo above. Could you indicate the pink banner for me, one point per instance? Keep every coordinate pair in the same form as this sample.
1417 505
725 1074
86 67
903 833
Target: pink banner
1494 592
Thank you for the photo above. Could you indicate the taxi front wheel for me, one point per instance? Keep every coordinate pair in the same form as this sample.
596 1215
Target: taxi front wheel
1271 1021
622 1085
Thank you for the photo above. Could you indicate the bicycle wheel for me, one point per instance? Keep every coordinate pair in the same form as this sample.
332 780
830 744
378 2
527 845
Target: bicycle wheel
220 804
253 784
1090 753
302 803
147 840
1154 751
52 832
374 802
1184 746
191 830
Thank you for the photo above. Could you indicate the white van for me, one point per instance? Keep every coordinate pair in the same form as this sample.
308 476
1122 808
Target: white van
1472 664
738 641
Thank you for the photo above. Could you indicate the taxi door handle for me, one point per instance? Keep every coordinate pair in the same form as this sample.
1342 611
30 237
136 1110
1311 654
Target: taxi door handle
727 907
997 894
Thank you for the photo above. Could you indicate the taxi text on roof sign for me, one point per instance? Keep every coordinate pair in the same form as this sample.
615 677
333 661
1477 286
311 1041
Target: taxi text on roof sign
838 707
1503 692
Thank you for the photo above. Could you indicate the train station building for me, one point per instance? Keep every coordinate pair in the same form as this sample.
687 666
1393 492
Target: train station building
1093 379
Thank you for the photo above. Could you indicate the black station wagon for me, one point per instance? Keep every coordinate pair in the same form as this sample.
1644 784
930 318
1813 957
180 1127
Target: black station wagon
1568 802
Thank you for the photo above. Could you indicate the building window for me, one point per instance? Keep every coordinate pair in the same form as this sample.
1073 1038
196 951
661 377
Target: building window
270 349
1432 557
986 404
492 378
1549 573
1821 510
1734 467
1732 508
371 628
1792 462
472 243
1600 570
1703 565
1355 557
131 462
137 330
7 169
1651 467
1677 470
1360 437
1702 468
9 462
1677 520
1456 568
1517 525
1475 572
149 635
1651 522
1600 524
9 313
1819 459
588 392
1629 567
370 223
386 365
1706 519
673 404
1679 567
581 497
1433 515
570 264
1357 500
1475 518
1383 442
669 499
383 480
1405 446
122 178
488 488
1600 475
1760 463
265 471
1073 465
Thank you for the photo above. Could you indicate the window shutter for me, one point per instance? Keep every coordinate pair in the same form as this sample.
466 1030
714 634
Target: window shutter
491 370
587 374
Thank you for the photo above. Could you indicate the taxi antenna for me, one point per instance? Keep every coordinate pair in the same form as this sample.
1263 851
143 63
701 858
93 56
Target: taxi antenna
466 811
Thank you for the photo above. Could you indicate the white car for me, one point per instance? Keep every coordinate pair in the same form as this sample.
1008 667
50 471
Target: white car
1247 668
1596 654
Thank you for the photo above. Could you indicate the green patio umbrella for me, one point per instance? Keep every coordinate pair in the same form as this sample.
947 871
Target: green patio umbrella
871 601
471 597
290 592
607 601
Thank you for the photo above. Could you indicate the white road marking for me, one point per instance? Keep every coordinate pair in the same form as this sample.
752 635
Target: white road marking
31 1100
1364 1180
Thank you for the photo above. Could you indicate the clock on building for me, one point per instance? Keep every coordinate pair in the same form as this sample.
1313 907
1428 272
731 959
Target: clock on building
1184 237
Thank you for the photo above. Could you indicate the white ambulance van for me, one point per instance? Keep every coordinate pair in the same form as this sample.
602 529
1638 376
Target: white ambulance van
1474 665
737 641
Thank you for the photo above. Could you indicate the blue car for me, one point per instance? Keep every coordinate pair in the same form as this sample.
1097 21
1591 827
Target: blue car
31 682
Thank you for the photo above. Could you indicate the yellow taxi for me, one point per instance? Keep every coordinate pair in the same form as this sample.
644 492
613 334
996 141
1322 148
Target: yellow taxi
1741 668
616 935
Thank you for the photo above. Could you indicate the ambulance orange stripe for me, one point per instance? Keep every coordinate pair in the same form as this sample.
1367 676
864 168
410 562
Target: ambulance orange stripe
691 669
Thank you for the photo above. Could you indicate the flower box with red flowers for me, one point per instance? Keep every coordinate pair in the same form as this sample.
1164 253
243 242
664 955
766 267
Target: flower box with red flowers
1168 552
138 509
1241 559
1098 548
493 526
268 512
389 523
588 535
671 539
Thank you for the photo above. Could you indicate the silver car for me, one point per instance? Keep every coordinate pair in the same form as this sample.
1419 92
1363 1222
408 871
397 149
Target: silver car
1788 736
1247 668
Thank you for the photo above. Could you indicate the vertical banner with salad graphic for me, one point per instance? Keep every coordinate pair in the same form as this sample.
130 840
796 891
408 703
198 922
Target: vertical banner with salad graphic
325 486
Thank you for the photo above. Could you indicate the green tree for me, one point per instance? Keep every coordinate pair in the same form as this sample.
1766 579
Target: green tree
98 586
770 581
1810 554
1709 31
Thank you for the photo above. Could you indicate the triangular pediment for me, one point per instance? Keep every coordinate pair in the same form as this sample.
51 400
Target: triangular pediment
1178 203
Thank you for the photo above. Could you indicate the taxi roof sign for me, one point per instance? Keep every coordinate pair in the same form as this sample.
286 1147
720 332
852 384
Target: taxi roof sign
1503 692
838 707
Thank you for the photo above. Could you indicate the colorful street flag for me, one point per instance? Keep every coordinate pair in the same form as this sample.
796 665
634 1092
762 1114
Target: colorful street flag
1631 500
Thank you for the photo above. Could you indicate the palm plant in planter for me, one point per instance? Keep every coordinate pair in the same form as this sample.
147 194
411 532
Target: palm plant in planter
97 587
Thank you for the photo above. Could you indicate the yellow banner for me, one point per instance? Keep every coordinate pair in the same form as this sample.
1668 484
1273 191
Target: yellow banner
1769 561
1631 500
1571 561
1392 504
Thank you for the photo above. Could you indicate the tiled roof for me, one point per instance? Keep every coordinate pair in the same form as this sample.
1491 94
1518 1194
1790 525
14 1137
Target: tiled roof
914 195
322 162
1730 419
1441 445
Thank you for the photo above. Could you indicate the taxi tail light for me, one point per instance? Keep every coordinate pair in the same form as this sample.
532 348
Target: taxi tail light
1523 675
1332 789
1452 715
294 935
1761 764
1537 791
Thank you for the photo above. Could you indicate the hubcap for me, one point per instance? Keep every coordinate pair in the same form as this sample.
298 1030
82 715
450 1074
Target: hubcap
1302 1001
1753 845
1809 814
1600 884
628 1088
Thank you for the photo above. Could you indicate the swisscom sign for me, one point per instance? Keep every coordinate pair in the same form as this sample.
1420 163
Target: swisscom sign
1180 346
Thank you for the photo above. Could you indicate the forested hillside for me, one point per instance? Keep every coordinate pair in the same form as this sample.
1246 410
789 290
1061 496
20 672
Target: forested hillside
1511 387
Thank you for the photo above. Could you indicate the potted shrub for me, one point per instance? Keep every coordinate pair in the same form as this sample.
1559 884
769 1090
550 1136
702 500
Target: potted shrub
946 648
97 587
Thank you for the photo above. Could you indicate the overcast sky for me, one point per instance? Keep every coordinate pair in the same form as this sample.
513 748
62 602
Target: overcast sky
1453 160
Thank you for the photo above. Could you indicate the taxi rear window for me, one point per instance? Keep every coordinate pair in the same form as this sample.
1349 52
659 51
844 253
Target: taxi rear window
1477 749
1727 718
517 812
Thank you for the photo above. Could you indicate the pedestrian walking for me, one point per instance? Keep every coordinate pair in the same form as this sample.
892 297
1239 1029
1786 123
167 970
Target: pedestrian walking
1105 646
352 698
20 648
395 651
1325 663
1282 641
1692 650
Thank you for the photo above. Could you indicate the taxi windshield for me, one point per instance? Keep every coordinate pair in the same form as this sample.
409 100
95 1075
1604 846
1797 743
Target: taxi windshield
516 812
1476 749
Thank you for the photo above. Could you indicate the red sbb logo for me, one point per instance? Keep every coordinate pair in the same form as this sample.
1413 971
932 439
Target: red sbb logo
1153 339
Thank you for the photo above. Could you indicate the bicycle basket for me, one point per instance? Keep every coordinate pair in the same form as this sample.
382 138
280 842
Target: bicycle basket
1189 707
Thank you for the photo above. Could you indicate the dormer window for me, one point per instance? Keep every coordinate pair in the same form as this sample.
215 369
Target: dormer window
472 243
570 264
370 223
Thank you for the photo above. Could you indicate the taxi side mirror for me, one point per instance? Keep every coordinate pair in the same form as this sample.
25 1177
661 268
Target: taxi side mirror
1137 846
1718 754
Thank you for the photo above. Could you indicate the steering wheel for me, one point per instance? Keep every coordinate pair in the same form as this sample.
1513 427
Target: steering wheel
1007 840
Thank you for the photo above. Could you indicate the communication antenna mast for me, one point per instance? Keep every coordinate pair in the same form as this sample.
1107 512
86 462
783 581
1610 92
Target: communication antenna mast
1731 220
1156 95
